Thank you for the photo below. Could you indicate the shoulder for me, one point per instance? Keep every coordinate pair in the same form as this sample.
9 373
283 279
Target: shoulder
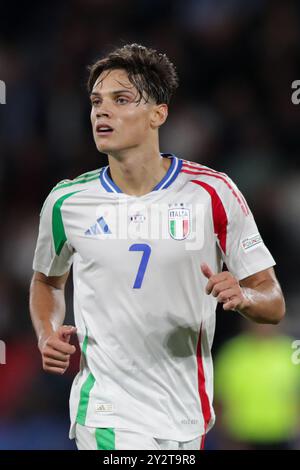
85 180
69 187
216 183
199 172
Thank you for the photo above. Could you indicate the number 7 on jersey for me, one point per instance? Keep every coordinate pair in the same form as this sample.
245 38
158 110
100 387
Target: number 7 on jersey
146 249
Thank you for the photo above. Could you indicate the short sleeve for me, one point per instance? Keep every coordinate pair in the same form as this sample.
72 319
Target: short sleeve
53 254
245 253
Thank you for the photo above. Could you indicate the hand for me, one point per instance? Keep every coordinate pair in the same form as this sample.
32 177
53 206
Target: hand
56 350
226 288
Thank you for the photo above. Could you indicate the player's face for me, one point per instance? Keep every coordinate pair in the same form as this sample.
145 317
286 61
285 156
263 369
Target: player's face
119 123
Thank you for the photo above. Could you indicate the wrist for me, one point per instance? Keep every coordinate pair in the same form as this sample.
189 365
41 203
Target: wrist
43 336
247 300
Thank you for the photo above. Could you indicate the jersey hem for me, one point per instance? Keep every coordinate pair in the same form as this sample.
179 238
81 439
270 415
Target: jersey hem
154 434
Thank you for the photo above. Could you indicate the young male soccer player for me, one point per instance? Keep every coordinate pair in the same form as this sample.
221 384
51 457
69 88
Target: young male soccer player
147 236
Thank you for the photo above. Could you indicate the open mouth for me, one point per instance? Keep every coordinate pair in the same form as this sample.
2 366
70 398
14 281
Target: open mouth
102 129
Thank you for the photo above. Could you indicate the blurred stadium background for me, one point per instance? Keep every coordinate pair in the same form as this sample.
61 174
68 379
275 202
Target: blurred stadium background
237 60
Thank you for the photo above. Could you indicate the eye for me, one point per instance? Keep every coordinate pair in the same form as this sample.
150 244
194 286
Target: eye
95 102
122 100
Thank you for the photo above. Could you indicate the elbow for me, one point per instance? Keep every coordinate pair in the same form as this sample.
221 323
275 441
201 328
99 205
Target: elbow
279 318
278 312
273 313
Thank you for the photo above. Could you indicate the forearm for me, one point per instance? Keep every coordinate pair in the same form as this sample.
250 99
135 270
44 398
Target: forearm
257 297
47 308
264 303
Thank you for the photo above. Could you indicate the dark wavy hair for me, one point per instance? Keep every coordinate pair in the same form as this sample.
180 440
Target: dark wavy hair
152 73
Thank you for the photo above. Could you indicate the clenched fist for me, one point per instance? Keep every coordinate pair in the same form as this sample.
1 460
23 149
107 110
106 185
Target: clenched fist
56 350
226 288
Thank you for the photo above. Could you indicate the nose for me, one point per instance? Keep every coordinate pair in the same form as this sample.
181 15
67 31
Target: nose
101 113
102 110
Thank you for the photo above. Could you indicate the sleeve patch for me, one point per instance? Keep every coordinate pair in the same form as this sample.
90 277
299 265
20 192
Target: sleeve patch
250 243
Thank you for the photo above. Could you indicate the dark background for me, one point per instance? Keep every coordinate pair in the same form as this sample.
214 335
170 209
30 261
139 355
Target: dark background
233 112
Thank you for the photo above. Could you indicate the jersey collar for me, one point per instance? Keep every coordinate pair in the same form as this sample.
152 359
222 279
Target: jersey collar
167 180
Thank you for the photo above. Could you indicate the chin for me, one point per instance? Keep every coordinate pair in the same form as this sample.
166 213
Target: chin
110 149
104 148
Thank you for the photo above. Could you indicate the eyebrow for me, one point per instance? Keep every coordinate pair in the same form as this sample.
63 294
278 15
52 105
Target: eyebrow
116 92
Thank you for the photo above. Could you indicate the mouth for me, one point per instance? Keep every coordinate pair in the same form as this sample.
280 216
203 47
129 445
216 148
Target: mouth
103 129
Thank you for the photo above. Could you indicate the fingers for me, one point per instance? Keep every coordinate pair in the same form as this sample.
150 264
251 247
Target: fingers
226 295
50 364
206 270
224 286
232 304
50 353
60 346
56 351
54 370
65 332
215 280
55 361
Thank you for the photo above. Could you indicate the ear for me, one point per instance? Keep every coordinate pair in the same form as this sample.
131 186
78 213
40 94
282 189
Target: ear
159 115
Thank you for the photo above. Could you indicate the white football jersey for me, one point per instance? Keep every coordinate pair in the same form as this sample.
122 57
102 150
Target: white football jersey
144 321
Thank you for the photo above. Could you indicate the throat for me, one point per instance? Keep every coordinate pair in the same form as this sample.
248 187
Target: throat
142 180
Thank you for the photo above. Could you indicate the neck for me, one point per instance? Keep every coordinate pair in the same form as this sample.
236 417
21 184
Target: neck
138 171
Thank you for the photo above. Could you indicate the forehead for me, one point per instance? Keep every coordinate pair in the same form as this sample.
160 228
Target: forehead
111 79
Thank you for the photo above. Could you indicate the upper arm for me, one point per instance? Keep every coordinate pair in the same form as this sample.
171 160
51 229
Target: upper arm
53 254
245 254
57 282
258 278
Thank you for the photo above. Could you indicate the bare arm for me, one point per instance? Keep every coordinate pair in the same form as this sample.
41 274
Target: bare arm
47 303
264 301
47 310
257 297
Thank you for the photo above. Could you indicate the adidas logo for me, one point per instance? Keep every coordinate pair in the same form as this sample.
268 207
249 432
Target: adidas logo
99 227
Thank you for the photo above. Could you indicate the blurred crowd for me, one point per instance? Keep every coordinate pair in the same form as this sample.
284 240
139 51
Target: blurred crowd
236 61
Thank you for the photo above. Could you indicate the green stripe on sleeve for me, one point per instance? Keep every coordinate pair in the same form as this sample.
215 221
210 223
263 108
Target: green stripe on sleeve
105 438
58 230
88 174
67 183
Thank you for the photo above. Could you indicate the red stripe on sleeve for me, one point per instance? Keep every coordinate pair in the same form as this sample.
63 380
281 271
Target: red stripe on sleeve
199 167
212 173
219 214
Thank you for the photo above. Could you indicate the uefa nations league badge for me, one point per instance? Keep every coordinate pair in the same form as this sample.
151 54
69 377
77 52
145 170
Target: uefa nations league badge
179 221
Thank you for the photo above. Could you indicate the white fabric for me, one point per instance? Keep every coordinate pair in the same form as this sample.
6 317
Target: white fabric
141 346
129 440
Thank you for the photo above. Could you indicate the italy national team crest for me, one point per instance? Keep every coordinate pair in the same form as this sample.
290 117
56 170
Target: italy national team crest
179 221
